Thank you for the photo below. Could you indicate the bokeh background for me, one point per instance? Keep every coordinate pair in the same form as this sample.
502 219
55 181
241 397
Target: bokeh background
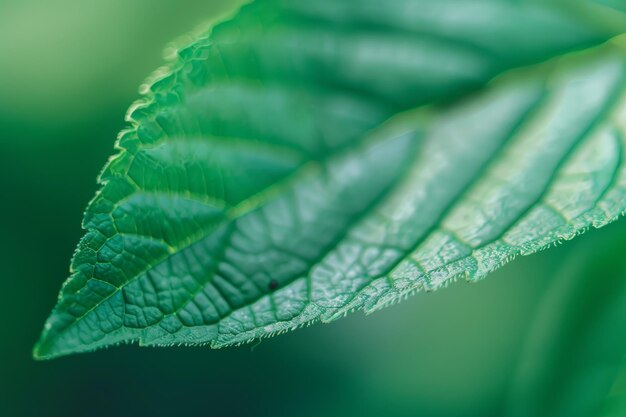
68 71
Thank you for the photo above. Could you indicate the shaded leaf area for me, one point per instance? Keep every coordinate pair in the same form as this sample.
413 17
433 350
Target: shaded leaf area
570 363
255 191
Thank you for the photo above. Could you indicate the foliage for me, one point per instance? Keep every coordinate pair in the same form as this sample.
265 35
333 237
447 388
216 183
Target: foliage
306 159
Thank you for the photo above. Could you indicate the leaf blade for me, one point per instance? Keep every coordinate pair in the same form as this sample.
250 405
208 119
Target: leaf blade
171 253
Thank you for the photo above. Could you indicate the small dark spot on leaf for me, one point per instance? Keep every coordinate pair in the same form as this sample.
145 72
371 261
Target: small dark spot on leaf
273 284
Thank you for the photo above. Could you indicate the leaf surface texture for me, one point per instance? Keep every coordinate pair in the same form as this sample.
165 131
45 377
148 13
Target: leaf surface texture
306 159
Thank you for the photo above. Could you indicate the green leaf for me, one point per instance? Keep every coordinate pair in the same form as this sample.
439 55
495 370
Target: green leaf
258 188
576 343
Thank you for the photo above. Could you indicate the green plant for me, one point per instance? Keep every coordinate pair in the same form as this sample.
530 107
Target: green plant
307 159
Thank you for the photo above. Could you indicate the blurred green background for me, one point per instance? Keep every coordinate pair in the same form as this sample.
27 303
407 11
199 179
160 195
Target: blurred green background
68 71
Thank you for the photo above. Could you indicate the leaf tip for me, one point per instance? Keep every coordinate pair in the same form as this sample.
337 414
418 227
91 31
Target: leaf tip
54 341
39 353
45 348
